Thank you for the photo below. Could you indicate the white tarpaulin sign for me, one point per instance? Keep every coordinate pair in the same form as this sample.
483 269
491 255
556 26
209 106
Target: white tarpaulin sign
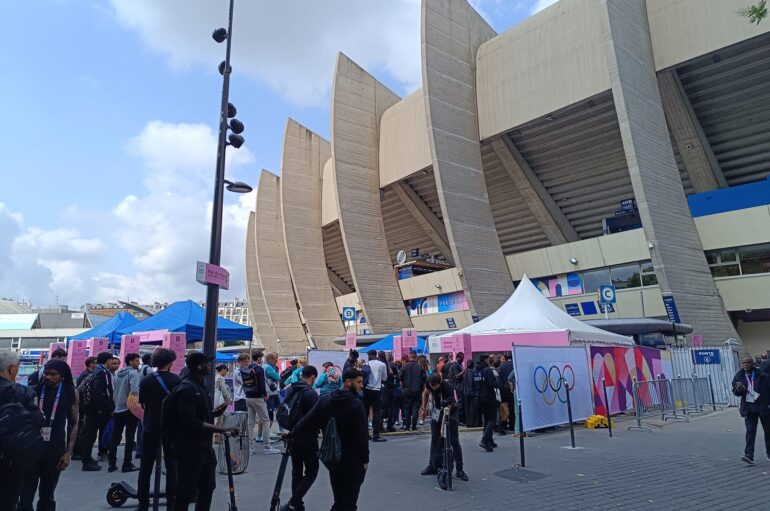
541 376
317 358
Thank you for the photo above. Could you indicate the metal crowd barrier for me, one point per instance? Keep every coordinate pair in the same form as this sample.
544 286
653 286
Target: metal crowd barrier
673 399
239 446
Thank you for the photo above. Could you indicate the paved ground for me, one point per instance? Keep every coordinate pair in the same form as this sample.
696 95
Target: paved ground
682 466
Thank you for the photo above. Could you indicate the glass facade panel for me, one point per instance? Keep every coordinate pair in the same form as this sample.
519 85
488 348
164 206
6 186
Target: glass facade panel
649 279
755 259
595 278
626 276
725 270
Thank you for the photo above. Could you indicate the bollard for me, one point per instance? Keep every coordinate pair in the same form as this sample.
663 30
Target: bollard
607 406
711 389
569 415
521 437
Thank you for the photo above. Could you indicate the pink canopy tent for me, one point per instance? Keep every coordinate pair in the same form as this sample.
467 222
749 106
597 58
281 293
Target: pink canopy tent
528 318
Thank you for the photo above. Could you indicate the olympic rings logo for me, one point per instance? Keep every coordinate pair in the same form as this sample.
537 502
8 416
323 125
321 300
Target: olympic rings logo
551 382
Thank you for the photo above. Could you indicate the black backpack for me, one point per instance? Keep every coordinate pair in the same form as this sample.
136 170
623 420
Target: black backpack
284 375
289 412
20 442
330 452
249 379
366 371
85 392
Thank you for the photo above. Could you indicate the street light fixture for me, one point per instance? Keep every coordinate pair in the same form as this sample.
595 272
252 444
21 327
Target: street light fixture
227 111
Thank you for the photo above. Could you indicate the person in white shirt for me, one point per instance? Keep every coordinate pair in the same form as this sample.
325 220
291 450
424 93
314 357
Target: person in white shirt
239 396
375 374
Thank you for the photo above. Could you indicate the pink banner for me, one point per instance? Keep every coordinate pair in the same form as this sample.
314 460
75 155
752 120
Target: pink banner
503 342
409 338
350 341
96 345
55 346
151 336
76 355
128 344
176 343
696 341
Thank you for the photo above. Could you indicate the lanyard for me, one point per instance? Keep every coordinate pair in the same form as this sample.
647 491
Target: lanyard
51 417
750 380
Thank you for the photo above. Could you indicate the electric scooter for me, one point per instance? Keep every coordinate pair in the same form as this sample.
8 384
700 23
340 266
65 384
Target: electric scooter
120 492
445 471
275 502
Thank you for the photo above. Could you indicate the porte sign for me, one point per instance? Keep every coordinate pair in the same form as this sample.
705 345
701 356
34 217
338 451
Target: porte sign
706 357
606 294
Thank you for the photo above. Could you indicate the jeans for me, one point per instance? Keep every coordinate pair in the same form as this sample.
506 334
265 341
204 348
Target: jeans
41 478
92 424
346 480
751 420
150 443
304 470
389 406
411 409
489 413
128 421
257 407
372 400
454 441
197 466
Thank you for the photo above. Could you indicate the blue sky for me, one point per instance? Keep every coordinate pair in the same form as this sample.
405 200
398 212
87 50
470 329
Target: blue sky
109 110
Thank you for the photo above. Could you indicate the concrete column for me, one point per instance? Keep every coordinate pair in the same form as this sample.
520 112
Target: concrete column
358 101
304 154
677 254
264 335
274 275
451 35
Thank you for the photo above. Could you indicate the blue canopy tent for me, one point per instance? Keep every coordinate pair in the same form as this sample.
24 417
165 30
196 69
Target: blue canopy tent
109 329
226 358
386 344
187 317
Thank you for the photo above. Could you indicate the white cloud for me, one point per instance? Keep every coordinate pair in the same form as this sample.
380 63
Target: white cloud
542 4
161 231
288 45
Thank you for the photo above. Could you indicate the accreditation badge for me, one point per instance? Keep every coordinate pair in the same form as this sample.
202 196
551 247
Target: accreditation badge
45 432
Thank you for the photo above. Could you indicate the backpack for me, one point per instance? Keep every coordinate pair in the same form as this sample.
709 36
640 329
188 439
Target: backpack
478 383
366 371
249 379
284 375
330 452
85 391
289 412
20 442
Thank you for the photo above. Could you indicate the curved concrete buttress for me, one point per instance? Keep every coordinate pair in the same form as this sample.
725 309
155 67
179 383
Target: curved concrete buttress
304 155
451 35
264 335
358 101
274 273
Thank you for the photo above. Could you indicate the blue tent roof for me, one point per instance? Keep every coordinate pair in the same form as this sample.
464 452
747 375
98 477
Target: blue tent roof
224 358
109 328
386 344
187 317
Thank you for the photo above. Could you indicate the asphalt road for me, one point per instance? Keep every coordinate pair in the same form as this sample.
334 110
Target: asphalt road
679 466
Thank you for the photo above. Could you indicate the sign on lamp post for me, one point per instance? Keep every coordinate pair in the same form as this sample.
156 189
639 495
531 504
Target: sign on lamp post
409 338
212 274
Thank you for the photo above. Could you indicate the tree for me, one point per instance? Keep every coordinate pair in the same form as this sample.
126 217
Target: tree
755 12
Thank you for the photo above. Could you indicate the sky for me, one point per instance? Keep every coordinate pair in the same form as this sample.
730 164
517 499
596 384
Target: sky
108 131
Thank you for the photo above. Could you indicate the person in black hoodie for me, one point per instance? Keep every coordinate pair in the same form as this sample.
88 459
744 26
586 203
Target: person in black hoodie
191 436
304 448
99 411
343 405
413 380
484 384
470 409
753 388
153 389
351 361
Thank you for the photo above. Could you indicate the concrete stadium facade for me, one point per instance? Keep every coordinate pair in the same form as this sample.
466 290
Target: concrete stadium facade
622 142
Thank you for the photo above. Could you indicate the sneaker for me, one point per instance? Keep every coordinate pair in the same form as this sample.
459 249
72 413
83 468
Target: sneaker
429 471
462 476
91 467
378 439
257 440
112 468
494 444
748 460
486 446
103 458
271 451
130 467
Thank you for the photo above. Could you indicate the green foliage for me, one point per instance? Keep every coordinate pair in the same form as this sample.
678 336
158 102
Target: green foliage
755 13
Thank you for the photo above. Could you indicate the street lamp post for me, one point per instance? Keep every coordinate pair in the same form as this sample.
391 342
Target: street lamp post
236 140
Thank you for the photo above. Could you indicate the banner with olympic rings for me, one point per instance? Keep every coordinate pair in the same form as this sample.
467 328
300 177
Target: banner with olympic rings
542 377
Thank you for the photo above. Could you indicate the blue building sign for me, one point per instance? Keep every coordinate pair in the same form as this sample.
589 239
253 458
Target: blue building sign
606 307
450 323
572 309
671 310
705 357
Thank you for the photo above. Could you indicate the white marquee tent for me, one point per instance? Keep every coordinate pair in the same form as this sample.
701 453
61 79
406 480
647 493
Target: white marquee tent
528 311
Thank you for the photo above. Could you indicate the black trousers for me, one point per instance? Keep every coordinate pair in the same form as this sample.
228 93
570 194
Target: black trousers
10 488
372 400
128 421
92 424
240 406
304 470
196 474
41 478
454 441
389 406
150 443
346 481
751 432
411 409
489 413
